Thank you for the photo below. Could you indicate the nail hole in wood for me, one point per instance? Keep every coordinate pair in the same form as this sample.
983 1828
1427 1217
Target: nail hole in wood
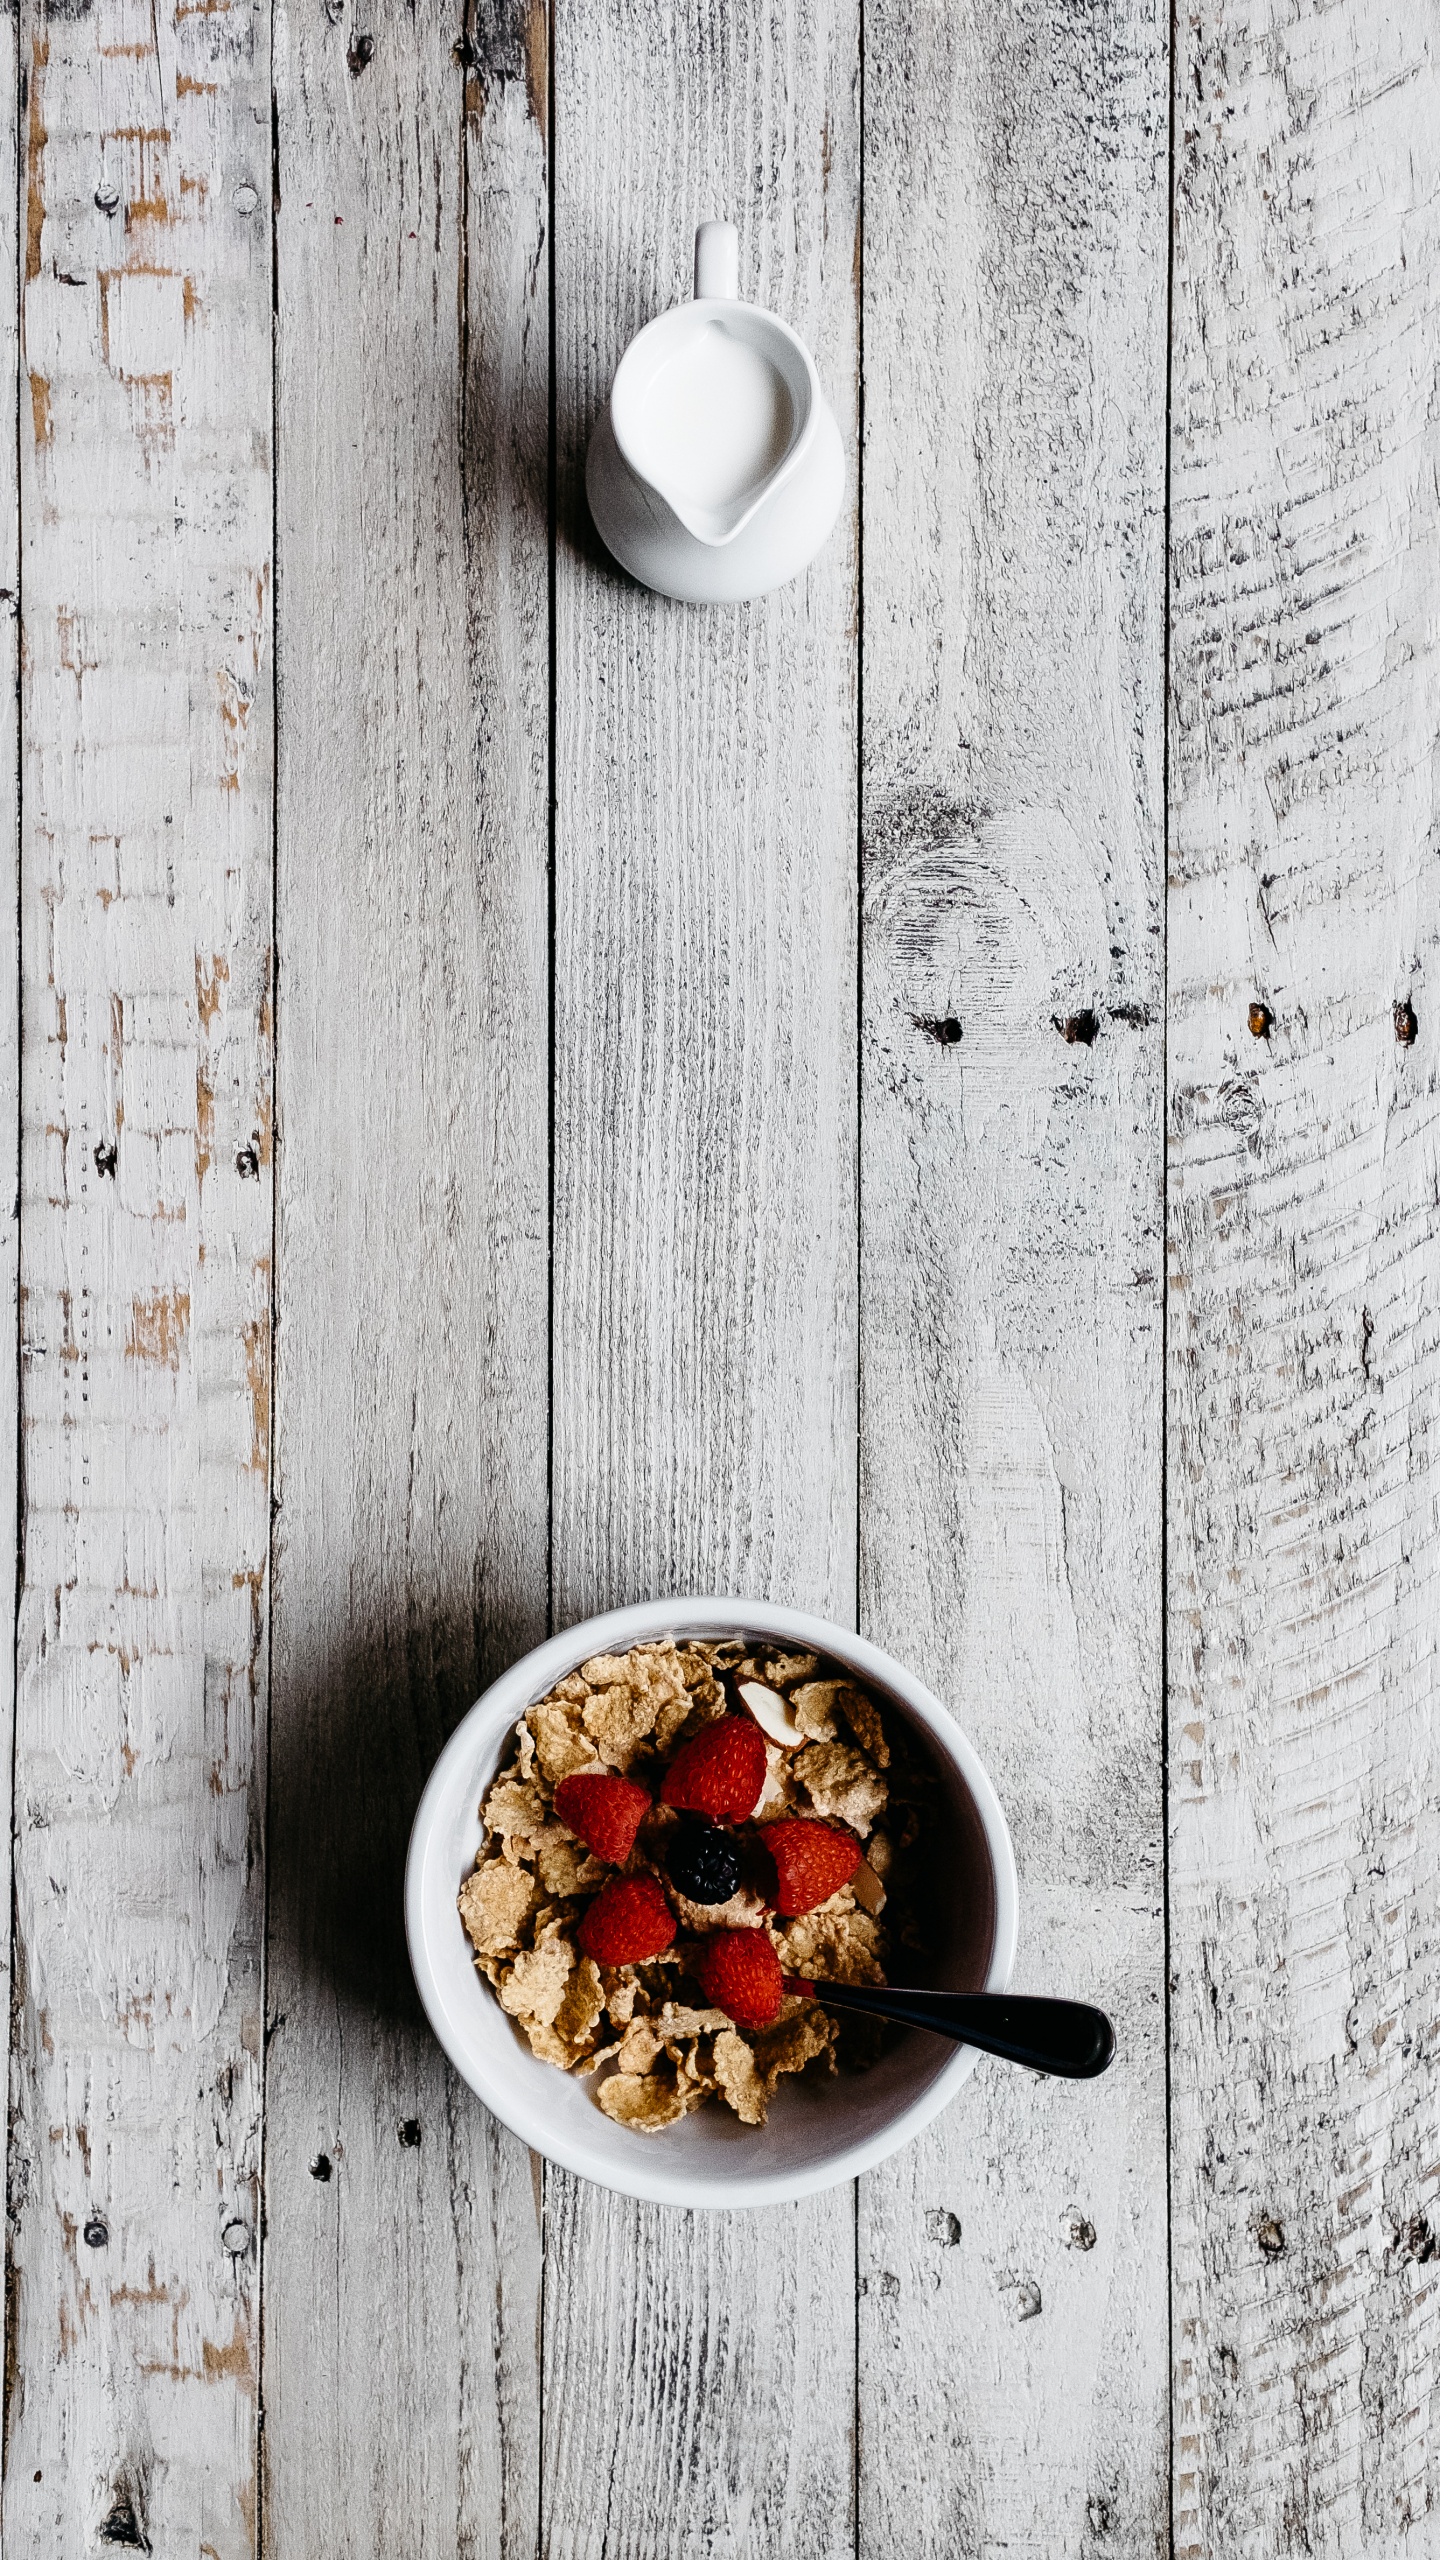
1406 1025
1082 1027
1261 1018
320 2168
943 2227
360 52
946 1031
97 2233
1270 2236
1079 2231
107 1156
410 2133
247 1165
1418 2241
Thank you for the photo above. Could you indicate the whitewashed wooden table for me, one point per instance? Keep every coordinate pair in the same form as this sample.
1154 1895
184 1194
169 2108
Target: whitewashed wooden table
533 1096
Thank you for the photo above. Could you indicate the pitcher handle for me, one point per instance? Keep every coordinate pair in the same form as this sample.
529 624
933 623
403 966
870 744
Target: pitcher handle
717 262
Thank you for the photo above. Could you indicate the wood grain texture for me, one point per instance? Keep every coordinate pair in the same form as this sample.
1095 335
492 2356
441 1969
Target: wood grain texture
401 2383
699 2371
1012 2315
779 1303
9 960
146 1266
1305 1323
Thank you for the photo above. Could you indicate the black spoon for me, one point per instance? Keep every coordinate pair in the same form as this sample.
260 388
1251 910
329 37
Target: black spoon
1061 2036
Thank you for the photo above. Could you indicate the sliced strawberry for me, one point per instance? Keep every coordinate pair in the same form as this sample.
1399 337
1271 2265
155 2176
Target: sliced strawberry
811 1861
740 1973
628 1920
604 1811
721 1773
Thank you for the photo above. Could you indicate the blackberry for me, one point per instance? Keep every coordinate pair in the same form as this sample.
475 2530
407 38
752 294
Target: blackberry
704 1865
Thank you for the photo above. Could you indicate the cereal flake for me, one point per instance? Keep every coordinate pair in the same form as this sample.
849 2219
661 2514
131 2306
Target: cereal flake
494 1903
562 1747
841 1784
647 2106
535 1984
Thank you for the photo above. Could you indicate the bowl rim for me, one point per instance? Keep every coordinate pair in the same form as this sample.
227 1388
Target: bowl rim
616 1630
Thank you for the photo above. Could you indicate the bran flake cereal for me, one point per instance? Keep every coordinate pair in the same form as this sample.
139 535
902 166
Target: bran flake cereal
663 2050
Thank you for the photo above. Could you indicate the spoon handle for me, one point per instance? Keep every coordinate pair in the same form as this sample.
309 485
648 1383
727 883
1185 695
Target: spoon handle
1065 2037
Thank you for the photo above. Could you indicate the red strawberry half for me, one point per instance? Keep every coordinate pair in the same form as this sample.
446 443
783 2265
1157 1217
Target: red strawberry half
740 1973
603 1811
721 1773
811 1863
628 1920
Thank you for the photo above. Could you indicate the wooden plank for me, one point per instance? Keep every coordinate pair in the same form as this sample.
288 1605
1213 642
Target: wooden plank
9 960
1012 2316
1304 1370
135 2074
699 2370
402 2394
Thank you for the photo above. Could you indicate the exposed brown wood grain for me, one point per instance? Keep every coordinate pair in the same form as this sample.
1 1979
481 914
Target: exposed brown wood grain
699 2372
1012 2313
1305 1308
402 2391
147 586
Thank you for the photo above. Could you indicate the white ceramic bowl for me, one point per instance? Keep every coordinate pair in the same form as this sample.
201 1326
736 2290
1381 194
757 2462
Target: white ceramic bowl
817 2134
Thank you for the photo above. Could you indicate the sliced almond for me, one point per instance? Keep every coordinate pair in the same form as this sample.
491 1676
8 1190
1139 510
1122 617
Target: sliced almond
771 1712
868 1890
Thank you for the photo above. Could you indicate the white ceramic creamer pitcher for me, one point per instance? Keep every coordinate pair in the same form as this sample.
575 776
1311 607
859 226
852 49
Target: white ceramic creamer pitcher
716 470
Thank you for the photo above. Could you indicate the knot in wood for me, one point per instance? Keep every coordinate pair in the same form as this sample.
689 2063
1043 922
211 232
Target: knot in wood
122 2525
